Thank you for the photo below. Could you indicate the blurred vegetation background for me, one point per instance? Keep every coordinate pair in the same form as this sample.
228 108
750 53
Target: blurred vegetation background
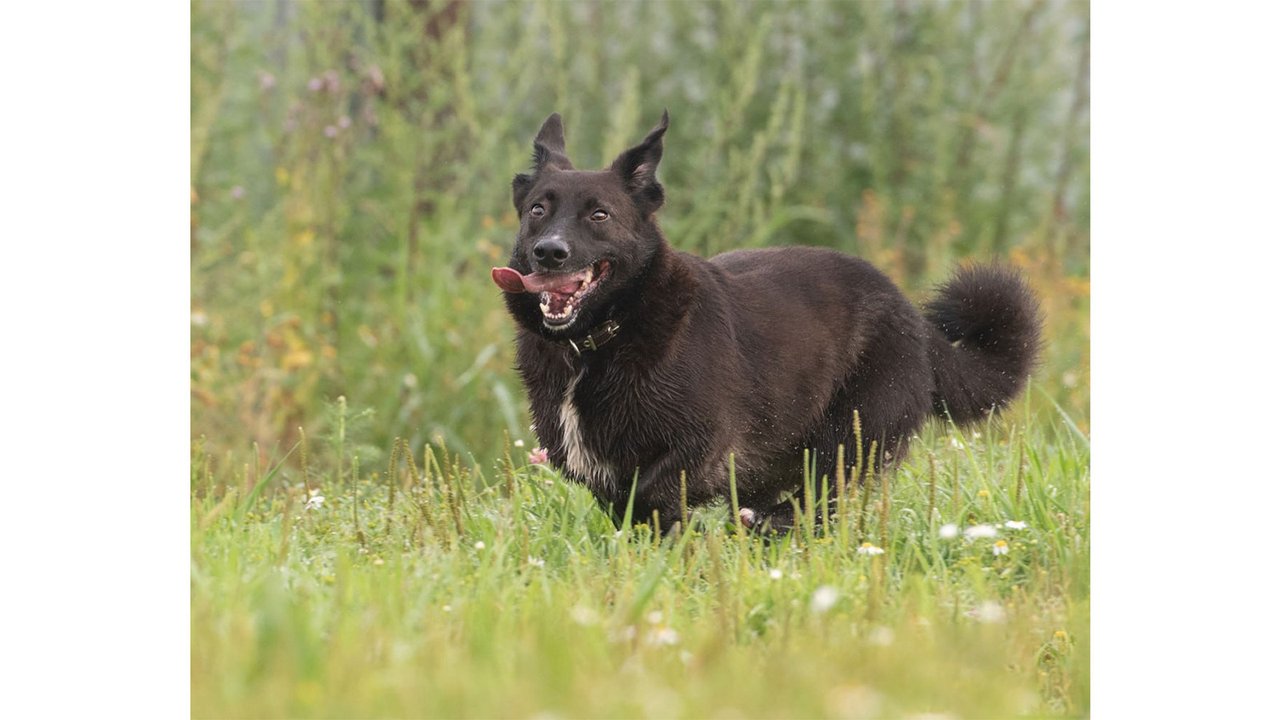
351 166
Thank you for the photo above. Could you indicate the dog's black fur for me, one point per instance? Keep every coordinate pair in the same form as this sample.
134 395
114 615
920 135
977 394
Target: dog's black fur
759 353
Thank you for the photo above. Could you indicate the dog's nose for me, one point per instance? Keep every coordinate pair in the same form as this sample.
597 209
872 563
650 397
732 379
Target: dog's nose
551 252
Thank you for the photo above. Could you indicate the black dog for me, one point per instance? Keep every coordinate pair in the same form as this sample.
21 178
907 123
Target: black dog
645 363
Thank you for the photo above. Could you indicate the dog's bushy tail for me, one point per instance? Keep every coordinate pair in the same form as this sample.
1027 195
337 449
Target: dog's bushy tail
987 341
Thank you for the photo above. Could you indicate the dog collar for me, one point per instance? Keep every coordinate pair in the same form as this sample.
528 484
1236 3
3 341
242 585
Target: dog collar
603 333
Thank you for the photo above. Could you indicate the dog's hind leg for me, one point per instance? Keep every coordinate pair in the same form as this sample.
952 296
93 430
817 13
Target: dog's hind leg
886 399
872 418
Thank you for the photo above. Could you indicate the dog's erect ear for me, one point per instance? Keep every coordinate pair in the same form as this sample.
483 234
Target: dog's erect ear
638 168
548 146
551 134
548 154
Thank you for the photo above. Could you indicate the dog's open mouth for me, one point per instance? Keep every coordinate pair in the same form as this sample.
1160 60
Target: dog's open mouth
560 304
560 295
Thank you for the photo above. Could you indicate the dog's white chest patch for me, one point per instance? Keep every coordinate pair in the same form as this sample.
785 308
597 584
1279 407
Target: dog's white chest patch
578 457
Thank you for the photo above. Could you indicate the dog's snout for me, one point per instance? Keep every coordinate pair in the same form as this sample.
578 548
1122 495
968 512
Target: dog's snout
550 252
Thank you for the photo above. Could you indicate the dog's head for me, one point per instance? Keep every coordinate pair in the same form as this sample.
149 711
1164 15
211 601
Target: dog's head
584 236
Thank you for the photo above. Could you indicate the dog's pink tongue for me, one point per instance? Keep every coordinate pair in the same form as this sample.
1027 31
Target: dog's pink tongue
509 280
512 281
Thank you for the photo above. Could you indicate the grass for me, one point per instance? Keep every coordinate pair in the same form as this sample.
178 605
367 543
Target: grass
350 187
432 588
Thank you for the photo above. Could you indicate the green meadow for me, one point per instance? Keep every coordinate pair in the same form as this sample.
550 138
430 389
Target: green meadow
369 535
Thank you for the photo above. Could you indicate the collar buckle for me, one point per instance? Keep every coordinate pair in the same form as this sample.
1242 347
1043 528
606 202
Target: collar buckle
594 339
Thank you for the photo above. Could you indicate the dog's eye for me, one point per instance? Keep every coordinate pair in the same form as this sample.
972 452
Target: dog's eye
537 210
599 216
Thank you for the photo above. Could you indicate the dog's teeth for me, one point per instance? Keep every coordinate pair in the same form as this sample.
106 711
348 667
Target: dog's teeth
545 308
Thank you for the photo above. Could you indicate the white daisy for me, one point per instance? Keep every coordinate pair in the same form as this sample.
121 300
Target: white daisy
868 549
315 501
479 544
881 635
949 531
824 598
1015 525
988 612
974 532
584 616
663 636
1000 548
